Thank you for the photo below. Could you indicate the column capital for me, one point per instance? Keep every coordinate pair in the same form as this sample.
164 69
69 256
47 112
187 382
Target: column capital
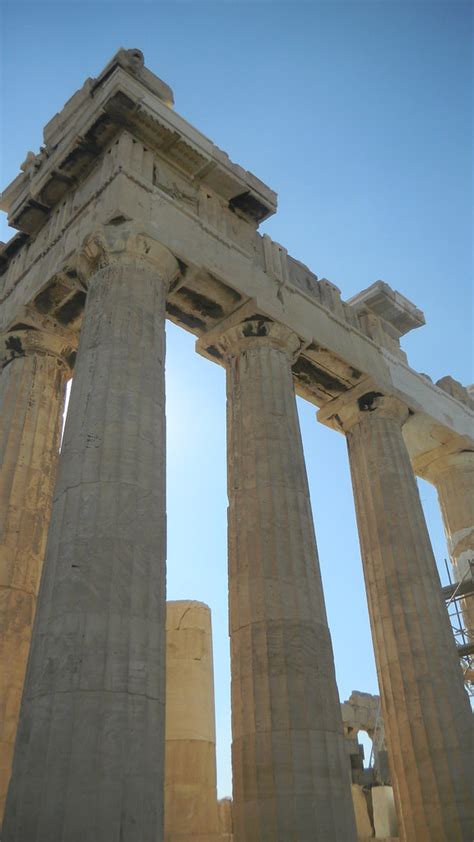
109 443
277 619
26 341
444 460
112 244
256 333
409 623
358 404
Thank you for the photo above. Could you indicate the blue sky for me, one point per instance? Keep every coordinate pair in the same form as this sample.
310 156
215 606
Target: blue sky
359 114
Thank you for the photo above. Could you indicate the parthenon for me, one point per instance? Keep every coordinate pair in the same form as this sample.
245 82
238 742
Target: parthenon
129 216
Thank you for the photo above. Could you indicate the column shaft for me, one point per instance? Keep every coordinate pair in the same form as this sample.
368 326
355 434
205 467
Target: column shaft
453 477
290 770
32 390
425 709
90 750
191 813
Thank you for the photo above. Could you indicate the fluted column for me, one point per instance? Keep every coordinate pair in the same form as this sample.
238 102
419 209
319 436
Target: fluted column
425 708
32 389
191 812
290 773
453 476
90 749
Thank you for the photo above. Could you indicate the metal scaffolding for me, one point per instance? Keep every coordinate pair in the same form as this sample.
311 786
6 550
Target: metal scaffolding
459 598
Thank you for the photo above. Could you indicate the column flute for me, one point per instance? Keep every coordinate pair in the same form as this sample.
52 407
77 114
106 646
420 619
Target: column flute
291 780
90 749
453 476
35 367
428 722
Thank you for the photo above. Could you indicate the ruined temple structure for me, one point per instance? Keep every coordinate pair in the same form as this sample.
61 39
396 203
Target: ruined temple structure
128 216
372 793
192 811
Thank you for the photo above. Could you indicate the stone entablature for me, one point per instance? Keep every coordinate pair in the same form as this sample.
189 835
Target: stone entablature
118 152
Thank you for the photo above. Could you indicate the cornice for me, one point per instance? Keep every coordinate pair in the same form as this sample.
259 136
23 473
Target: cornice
124 101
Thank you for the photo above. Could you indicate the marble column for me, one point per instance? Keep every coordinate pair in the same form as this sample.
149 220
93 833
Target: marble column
32 388
425 708
89 756
191 812
291 778
453 476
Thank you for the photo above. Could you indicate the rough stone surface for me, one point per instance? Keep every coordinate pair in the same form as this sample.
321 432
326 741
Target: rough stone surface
89 757
224 806
109 156
428 723
32 387
290 772
361 712
453 476
191 809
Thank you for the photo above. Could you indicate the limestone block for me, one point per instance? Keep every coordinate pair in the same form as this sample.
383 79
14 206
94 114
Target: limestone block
361 712
456 389
385 817
363 823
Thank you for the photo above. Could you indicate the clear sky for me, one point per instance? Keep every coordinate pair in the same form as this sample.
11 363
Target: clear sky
359 114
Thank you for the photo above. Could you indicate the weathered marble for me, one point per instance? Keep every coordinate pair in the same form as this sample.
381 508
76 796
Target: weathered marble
290 773
453 476
361 810
385 817
117 152
32 389
224 807
191 810
89 757
428 723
